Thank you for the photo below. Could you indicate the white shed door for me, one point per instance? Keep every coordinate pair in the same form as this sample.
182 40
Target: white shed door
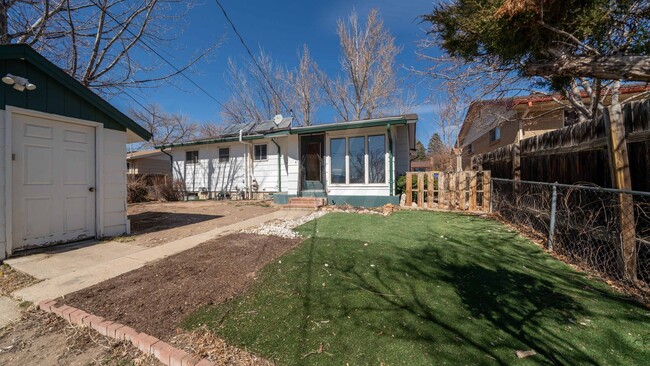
53 182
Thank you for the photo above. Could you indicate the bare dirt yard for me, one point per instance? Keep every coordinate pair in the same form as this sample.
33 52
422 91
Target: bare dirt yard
156 298
156 223
45 339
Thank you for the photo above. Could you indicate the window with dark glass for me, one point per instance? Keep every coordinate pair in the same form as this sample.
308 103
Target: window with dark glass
260 152
357 163
337 156
191 157
495 134
224 154
377 159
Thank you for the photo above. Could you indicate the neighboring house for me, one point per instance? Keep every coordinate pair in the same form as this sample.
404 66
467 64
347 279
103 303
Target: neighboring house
147 162
423 165
491 124
63 173
347 163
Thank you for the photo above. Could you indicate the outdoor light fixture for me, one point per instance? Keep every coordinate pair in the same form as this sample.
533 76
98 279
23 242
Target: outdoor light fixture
19 83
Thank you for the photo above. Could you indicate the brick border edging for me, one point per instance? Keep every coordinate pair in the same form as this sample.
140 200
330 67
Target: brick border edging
164 352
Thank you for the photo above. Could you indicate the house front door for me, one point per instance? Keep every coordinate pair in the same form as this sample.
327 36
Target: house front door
312 162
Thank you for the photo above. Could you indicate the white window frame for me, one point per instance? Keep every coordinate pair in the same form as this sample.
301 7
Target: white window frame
347 160
266 148
188 162
219 154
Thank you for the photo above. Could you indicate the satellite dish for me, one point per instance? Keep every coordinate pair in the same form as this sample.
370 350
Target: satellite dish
277 119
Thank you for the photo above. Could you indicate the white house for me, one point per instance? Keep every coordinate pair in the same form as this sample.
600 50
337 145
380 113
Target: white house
347 163
62 148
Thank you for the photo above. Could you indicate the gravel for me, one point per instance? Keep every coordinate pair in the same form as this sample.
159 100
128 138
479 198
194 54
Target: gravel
283 228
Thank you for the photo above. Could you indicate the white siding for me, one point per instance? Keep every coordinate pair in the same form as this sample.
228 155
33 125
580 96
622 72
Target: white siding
114 182
401 150
293 164
229 176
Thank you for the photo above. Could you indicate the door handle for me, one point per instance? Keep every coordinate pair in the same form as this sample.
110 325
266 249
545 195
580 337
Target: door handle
91 189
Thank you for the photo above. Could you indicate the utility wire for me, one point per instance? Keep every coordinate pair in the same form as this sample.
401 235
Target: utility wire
179 71
241 39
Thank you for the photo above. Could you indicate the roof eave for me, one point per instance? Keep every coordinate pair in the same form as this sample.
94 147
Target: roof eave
21 51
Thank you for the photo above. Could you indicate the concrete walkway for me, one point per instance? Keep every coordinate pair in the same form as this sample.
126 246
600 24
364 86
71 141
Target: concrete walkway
68 271
9 310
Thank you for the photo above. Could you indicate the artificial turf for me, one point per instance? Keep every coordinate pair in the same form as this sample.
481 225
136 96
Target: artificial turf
424 288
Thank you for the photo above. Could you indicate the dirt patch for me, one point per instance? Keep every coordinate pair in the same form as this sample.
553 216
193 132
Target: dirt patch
156 298
45 339
156 223
12 280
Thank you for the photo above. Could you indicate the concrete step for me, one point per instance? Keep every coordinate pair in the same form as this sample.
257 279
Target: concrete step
317 201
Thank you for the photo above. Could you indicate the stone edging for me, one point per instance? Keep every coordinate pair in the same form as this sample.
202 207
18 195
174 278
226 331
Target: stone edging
164 352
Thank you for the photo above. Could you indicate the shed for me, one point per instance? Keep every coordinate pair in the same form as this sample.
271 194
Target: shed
62 148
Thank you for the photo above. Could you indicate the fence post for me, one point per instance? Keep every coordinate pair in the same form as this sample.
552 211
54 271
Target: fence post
420 190
491 194
487 192
551 230
409 189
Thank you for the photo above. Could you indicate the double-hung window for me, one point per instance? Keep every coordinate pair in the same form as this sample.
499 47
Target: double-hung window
260 152
224 154
377 159
191 157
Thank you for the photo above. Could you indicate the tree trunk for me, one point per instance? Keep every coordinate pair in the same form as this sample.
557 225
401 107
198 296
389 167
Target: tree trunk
601 67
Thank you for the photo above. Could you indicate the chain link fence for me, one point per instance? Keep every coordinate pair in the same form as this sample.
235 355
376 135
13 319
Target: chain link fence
604 230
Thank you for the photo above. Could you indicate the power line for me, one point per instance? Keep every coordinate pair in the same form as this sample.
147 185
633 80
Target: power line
178 71
241 39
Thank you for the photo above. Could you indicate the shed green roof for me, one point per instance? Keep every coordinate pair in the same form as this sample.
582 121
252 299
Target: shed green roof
22 52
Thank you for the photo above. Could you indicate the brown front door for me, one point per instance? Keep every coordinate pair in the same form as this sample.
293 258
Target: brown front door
313 161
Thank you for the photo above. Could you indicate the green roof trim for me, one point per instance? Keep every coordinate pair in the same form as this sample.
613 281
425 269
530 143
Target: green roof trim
377 122
25 52
211 141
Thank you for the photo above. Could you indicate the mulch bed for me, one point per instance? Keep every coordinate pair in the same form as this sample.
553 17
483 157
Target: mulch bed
157 297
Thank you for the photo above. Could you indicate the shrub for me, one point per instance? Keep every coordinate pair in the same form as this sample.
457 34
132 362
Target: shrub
169 191
136 190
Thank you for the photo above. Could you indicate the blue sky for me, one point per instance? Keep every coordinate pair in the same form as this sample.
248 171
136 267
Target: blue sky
280 28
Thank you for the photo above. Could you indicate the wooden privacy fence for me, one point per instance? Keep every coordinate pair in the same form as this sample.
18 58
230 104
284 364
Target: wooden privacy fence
467 190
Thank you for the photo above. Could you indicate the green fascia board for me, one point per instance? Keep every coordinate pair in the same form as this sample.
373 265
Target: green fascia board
25 52
210 141
277 134
351 125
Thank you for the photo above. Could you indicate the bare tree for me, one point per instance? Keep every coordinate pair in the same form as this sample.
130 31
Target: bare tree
368 83
209 130
254 98
303 84
97 41
166 128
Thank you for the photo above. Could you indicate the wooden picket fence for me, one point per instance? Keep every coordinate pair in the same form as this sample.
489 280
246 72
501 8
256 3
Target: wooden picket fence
466 190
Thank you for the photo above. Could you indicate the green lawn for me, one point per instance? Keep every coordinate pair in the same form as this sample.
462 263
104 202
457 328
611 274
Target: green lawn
422 288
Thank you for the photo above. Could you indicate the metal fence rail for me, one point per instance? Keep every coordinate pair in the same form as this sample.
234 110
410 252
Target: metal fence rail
606 230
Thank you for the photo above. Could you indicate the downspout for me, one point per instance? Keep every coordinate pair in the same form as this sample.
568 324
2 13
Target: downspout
390 159
247 164
279 165
171 162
